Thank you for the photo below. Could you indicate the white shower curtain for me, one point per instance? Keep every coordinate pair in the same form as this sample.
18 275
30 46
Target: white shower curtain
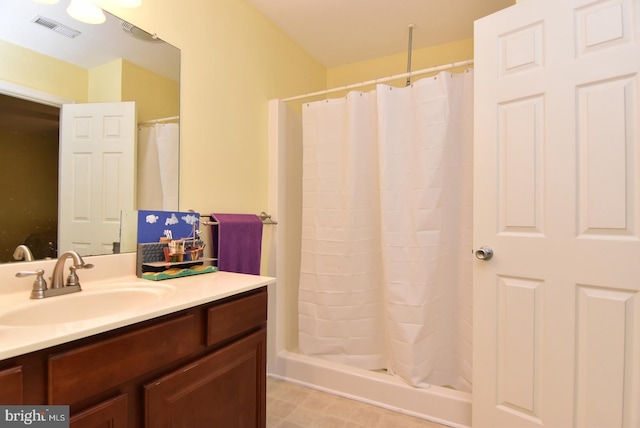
385 278
158 162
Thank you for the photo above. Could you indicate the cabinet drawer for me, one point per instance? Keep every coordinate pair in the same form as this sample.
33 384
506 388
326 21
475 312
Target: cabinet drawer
228 319
88 370
11 386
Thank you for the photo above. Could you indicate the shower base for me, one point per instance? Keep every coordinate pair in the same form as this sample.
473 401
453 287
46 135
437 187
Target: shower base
443 405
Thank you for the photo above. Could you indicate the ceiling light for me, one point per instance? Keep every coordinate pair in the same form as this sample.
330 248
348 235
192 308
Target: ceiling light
105 4
90 11
85 11
127 3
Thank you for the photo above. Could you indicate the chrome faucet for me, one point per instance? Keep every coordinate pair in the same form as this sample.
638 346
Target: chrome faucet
58 286
22 252
57 277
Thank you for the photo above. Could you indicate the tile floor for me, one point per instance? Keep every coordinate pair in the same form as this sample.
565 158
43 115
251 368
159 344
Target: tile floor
293 406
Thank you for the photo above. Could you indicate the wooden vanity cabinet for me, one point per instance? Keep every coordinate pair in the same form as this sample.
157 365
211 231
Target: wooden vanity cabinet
11 389
223 389
200 367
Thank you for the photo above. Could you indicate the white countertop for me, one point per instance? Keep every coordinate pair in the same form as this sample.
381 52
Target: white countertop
182 293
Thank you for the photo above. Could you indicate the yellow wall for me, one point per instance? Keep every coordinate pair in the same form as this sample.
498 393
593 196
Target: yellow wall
233 61
156 96
119 80
105 83
397 64
43 73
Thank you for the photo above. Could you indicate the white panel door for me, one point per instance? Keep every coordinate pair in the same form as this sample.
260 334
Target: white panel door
557 198
96 176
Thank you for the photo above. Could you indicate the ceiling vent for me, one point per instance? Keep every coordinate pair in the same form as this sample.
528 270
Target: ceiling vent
136 32
56 26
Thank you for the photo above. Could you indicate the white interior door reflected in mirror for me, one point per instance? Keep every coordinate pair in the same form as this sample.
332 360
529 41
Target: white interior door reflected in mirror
96 176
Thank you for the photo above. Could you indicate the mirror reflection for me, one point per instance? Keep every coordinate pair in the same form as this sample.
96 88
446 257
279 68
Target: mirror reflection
55 196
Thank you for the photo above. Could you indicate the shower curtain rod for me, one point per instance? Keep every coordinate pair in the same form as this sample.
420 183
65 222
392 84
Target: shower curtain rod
164 119
383 79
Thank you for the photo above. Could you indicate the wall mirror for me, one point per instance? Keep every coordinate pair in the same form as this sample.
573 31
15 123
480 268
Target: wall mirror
47 59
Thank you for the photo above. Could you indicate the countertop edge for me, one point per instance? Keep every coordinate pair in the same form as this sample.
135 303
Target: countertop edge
190 292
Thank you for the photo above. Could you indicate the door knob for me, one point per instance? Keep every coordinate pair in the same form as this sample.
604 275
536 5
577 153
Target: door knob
484 253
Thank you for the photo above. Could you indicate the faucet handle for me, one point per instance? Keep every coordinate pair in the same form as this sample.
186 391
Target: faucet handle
39 284
72 279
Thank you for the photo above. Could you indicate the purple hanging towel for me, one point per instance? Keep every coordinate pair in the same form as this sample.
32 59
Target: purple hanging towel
239 242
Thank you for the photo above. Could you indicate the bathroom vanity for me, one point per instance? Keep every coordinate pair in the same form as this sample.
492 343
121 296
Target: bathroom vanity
194 358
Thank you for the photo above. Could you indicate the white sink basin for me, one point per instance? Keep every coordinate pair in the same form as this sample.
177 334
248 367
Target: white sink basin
84 305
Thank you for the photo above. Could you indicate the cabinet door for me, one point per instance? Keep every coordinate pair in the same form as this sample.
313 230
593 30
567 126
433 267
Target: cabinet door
108 414
11 386
226 389
84 371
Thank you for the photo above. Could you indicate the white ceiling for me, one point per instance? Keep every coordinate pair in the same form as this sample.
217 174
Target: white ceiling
335 32
96 45
338 32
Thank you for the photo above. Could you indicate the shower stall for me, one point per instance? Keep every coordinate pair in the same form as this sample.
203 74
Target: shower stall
555 161
158 164
373 192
